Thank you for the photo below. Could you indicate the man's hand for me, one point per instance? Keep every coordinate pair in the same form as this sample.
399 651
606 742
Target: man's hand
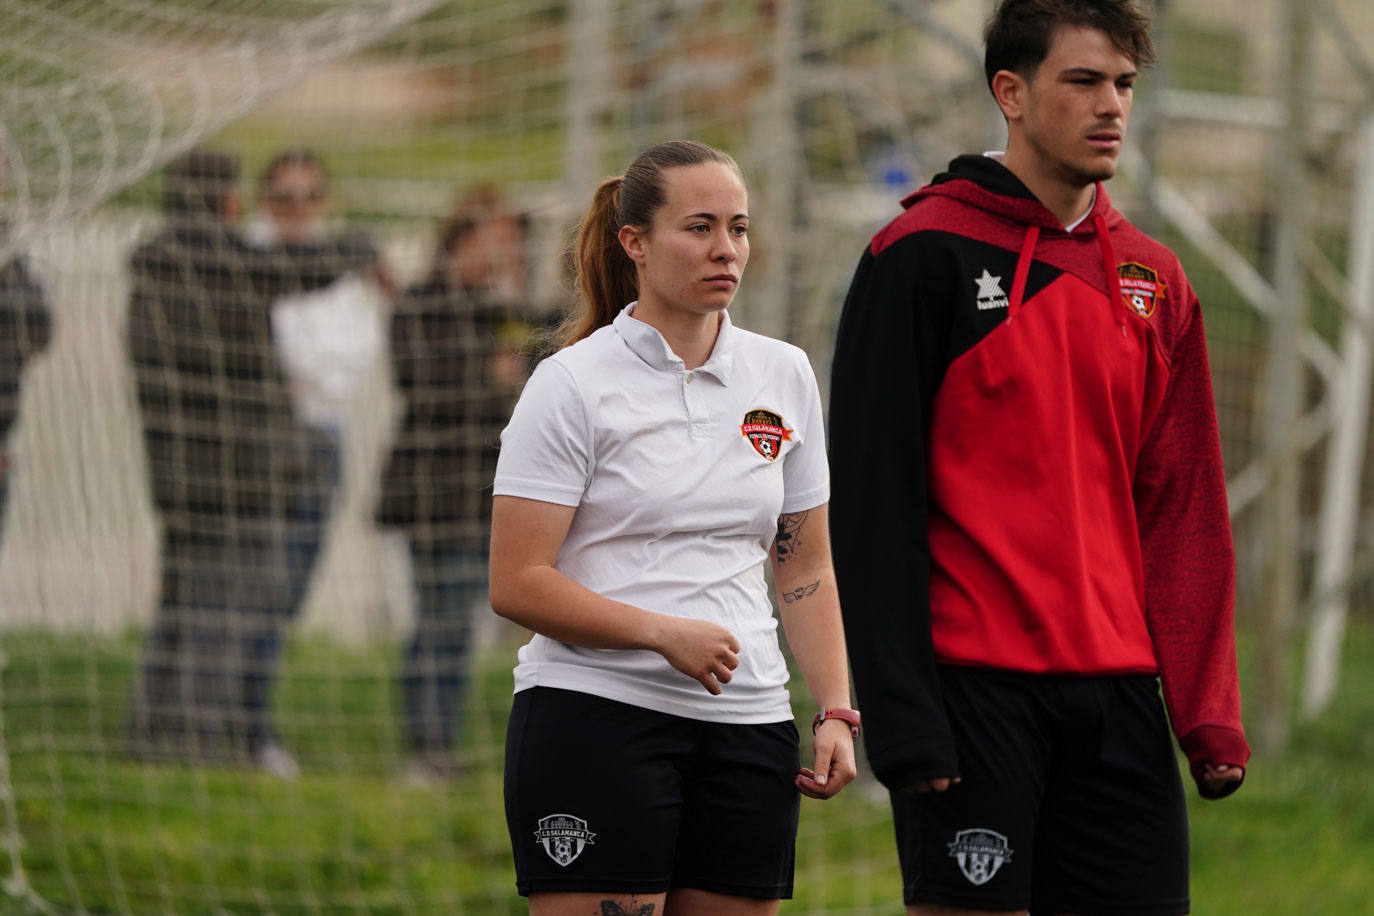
1217 778
938 784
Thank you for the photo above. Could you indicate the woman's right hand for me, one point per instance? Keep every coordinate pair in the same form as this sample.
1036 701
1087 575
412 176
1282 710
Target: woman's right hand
704 651
527 588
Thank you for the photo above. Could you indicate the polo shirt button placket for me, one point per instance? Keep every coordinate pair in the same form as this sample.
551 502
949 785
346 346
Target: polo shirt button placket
697 414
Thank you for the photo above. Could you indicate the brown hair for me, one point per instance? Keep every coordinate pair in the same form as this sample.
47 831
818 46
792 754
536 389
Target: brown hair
605 275
195 184
299 155
1018 33
479 204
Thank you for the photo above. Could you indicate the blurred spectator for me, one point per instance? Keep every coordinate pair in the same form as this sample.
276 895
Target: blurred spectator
326 332
25 329
225 455
454 342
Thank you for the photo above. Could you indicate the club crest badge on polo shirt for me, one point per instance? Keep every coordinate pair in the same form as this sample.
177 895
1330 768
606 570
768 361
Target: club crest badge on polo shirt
1140 287
563 837
765 432
980 853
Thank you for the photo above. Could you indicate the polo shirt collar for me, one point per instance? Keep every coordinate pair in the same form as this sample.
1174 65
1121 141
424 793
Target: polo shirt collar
645 342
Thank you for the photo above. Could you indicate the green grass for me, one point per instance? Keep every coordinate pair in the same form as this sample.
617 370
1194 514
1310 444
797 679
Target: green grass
104 833
1298 837
101 833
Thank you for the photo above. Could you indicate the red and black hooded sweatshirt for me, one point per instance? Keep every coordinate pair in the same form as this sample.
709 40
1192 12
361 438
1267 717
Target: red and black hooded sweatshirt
1026 470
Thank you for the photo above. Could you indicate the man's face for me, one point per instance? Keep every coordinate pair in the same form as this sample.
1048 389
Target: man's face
1076 107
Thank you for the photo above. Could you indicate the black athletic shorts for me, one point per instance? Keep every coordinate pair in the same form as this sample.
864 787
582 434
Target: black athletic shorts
1071 800
603 796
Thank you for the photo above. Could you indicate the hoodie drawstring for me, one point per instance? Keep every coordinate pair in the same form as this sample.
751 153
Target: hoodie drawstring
1104 242
1018 284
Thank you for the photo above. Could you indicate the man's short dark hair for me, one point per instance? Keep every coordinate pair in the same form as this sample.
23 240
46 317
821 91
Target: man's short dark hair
1018 33
197 183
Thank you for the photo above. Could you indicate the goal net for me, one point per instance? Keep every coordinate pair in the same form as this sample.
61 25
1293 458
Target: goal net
245 660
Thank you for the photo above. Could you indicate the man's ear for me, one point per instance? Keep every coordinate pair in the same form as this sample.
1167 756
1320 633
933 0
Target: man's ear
632 240
1009 91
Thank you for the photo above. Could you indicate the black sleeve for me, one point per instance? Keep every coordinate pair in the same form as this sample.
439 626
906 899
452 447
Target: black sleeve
887 361
25 328
147 336
33 322
406 340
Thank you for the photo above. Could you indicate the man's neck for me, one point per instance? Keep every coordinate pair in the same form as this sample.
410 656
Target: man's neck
1069 203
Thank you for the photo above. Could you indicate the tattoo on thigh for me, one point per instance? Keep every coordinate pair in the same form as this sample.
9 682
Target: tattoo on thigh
789 541
612 908
797 594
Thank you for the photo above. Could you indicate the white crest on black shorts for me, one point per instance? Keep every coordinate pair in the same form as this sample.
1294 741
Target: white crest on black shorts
980 853
563 837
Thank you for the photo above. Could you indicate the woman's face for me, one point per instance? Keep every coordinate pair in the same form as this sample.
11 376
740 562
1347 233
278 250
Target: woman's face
490 257
693 255
296 201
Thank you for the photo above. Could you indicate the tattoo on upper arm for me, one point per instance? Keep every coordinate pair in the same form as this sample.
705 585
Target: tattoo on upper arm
612 908
789 541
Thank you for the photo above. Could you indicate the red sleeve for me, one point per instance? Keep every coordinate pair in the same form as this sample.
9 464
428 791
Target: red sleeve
1189 563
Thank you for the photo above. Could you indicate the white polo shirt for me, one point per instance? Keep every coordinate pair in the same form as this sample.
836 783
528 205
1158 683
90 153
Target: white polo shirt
678 478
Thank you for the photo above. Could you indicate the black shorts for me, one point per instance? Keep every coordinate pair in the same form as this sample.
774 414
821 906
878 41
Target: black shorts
1071 800
607 797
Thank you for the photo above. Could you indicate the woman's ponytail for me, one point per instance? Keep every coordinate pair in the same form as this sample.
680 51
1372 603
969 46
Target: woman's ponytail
606 279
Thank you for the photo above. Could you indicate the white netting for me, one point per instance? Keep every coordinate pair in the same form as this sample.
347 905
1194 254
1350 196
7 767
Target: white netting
96 95
834 111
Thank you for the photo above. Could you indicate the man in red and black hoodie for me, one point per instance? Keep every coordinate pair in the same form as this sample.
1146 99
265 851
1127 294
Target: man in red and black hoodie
1029 513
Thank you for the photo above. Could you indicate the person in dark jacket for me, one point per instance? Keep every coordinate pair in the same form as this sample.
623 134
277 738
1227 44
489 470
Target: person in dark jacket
454 344
1029 511
224 457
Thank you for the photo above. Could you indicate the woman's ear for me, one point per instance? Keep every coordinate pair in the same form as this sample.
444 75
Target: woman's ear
632 240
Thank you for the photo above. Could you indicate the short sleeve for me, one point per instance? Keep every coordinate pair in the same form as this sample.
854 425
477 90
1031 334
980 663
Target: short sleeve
805 471
546 448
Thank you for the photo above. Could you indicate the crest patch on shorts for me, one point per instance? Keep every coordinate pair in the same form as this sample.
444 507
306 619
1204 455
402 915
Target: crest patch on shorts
563 837
1140 287
765 432
980 853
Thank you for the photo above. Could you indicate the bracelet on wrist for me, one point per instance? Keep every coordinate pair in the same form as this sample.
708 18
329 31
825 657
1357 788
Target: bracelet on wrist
851 716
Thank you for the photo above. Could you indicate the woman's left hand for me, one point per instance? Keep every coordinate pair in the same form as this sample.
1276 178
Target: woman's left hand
835 769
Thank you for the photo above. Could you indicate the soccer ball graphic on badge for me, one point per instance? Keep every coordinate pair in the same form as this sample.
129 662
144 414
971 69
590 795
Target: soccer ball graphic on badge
563 837
980 853
766 432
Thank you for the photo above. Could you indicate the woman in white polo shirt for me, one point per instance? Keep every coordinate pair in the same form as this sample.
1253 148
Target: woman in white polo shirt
651 467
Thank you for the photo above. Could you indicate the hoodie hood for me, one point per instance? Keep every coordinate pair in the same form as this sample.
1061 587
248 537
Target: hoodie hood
985 183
